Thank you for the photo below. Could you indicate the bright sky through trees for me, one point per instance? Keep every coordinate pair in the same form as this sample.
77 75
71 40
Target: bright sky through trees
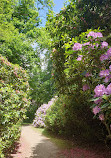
58 5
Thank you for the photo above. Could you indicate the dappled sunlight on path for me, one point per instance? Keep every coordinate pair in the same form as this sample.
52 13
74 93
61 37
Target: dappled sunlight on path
34 145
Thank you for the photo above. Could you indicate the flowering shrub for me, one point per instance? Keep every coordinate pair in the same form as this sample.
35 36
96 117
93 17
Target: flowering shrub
13 102
40 114
102 93
90 61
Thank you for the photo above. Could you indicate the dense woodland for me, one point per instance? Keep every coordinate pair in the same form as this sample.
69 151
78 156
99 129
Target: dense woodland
57 76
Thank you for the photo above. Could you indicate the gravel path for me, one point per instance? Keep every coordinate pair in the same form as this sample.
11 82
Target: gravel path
35 145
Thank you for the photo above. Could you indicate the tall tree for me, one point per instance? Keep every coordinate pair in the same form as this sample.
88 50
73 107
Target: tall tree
19 31
20 20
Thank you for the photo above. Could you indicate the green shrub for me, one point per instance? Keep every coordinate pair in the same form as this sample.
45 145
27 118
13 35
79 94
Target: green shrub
13 102
71 118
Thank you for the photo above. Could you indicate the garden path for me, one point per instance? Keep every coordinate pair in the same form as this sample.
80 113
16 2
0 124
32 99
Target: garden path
34 145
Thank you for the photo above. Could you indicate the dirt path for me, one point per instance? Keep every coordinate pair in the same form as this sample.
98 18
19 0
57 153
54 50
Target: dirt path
35 145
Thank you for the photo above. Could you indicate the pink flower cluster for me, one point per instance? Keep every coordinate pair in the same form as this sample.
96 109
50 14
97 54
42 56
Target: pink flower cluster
104 73
98 101
110 68
104 45
106 56
79 58
88 74
96 110
77 46
85 87
100 90
95 34
40 114
86 44
108 89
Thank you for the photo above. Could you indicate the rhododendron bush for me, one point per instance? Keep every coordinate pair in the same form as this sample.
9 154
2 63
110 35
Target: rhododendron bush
88 65
14 100
41 112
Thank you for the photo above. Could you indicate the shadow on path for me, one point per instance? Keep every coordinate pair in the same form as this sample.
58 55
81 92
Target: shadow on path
34 145
45 149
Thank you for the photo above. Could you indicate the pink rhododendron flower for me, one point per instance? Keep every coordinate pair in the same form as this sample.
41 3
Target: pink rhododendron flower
104 73
88 74
85 87
104 44
93 46
109 52
96 44
95 34
100 90
86 44
98 101
101 117
96 110
99 34
104 57
91 34
110 67
107 79
77 46
108 89
79 58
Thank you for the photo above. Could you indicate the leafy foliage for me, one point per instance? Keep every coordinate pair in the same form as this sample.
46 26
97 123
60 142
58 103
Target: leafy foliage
71 118
75 18
14 100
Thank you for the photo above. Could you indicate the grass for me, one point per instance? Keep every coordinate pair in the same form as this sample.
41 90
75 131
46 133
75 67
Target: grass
59 141
25 123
